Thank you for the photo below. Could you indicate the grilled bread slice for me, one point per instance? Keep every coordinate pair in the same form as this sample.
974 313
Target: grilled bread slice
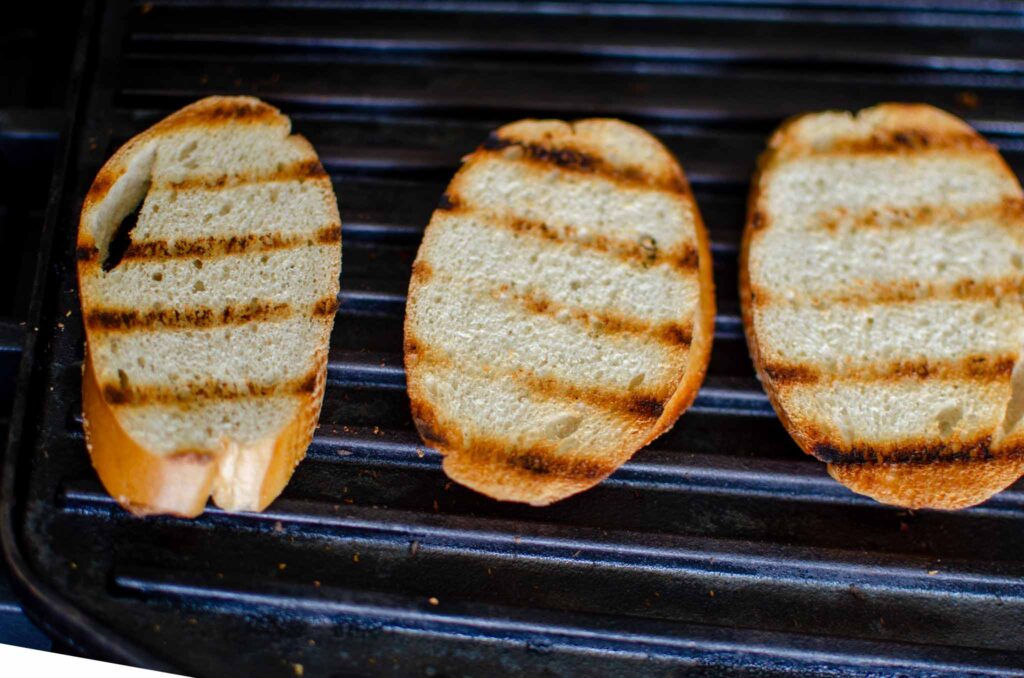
881 280
560 310
207 322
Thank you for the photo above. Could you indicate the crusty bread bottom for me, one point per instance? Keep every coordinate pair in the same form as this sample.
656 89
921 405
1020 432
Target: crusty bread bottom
946 484
180 484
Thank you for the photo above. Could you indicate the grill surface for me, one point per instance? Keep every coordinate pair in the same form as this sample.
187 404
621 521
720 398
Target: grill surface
720 547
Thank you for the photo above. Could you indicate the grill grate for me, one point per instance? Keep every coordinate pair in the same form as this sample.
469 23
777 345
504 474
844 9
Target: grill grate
719 547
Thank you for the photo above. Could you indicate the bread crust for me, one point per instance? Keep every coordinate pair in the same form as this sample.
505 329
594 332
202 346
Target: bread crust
941 484
488 471
145 482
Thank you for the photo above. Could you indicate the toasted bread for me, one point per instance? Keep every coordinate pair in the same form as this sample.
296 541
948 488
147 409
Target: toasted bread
207 322
560 312
881 280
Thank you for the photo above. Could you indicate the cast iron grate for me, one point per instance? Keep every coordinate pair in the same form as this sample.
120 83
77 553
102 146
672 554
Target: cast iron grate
721 546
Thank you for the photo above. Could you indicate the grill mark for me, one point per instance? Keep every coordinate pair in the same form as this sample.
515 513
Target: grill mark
539 459
915 451
1008 209
906 140
906 291
126 394
979 368
221 113
574 160
644 404
673 334
644 252
199 317
297 171
127 320
325 307
212 246
905 453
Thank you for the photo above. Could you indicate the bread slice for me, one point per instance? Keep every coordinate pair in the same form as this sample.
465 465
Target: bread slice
207 323
881 279
561 308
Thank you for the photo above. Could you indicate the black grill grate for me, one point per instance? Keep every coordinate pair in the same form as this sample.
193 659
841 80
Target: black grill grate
719 547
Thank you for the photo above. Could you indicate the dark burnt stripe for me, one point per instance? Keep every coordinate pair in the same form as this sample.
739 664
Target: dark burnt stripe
973 368
538 459
670 333
577 161
912 452
908 291
1008 208
127 320
907 140
791 374
127 394
643 404
226 246
87 253
645 251
221 113
298 171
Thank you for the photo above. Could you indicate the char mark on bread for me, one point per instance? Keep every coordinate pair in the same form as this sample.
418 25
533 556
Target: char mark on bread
922 451
210 246
643 251
567 158
969 368
125 393
297 171
540 459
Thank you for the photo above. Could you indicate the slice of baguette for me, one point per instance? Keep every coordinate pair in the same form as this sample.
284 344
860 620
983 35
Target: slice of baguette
560 312
881 279
207 327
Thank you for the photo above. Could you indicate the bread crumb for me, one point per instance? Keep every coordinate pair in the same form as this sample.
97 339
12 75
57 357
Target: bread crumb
278 527
281 566
355 558
932 572
298 669
433 601
316 583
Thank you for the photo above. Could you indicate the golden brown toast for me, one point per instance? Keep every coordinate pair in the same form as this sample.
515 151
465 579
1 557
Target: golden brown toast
881 278
209 252
561 308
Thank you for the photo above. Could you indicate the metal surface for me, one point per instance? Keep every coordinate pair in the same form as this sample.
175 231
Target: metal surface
719 547
34 55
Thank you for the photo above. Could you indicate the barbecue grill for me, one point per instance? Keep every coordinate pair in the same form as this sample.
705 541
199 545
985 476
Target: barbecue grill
719 547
